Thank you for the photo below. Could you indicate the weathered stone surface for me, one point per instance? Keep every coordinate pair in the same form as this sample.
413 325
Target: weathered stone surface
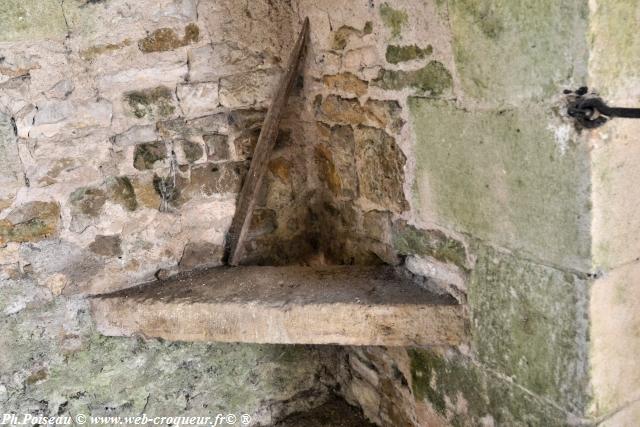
11 173
614 325
448 385
213 178
146 155
248 89
409 240
145 192
335 413
30 222
402 53
217 146
88 201
119 190
281 168
85 373
201 254
334 159
433 79
511 53
380 167
529 322
342 35
93 52
192 151
54 117
245 143
31 20
263 221
376 113
165 39
505 176
346 82
210 62
197 100
153 103
394 19
344 305
108 246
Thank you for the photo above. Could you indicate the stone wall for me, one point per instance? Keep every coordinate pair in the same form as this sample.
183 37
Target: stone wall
125 133
442 144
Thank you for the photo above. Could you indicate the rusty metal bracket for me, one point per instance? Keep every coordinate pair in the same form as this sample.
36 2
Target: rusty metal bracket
591 111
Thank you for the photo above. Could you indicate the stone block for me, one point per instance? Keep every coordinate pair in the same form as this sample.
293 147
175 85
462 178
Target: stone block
512 177
433 79
156 103
164 39
249 89
210 62
380 167
32 20
344 305
464 393
615 340
530 323
30 222
198 100
510 53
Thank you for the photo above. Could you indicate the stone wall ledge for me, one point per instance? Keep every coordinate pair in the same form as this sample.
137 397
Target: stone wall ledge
343 305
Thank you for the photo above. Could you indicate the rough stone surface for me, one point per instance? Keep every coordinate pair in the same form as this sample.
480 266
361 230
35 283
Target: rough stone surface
530 323
503 176
63 367
510 53
334 305
30 222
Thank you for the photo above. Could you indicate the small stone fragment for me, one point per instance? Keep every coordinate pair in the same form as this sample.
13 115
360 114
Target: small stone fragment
88 201
119 190
201 254
192 151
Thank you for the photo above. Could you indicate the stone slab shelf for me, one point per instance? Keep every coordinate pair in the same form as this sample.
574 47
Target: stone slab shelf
342 305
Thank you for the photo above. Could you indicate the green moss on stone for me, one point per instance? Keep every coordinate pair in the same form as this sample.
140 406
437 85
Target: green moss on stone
393 19
434 78
506 52
151 103
503 176
529 322
368 27
409 240
396 54
466 394
31 20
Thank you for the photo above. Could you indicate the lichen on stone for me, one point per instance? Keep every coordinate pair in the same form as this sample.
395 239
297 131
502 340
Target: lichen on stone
394 19
146 155
151 103
30 222
397 53
165 39
433 78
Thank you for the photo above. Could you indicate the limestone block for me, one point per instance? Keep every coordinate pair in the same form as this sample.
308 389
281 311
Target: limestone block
529 322
344 305
512 52
246 90
614 325
198 100
505 176
210 62
55 117
31 20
